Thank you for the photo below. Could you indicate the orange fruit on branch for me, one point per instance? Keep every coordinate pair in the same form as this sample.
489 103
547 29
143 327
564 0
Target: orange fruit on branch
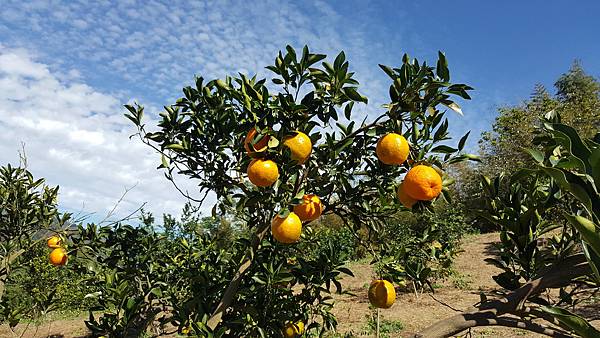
406 200
262 173
54 242
293 330
58 257
310 208
422 183
382 294
392 149
259 146
288 229
300 146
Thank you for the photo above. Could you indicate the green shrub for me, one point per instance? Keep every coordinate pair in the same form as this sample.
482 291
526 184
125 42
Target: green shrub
41 287
420 248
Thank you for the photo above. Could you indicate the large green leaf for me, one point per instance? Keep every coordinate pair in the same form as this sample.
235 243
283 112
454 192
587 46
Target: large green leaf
595 163
578 148
587 229
593 259
574 322
575 189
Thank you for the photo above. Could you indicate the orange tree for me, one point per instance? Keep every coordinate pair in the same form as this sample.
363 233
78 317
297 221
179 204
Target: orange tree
276 154
28 214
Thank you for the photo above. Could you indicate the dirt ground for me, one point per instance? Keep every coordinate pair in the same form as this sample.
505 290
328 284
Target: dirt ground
460 291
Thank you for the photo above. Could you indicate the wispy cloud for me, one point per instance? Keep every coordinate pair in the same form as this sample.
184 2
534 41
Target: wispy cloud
67 66
152 48
73 137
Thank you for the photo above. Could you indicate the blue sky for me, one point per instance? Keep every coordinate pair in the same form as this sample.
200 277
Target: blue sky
66 67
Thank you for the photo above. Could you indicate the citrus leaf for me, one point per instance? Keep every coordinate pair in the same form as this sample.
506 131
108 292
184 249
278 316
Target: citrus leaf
574 322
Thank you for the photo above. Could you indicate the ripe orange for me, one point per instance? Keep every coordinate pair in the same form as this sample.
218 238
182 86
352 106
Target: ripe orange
259 146
286 230
382 294
392 149
293 330
422 183
300 146
58 257
406 200
310 209
262 173
54 242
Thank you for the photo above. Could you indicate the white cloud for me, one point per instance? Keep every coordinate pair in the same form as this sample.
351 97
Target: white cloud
75 137
153 49
64 100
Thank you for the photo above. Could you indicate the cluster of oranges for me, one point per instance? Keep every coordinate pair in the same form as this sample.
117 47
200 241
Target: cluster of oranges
264 173
58 255
421 183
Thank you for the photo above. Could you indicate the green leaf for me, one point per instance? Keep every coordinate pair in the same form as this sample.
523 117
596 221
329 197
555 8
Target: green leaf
156 291
537 155
442 68
463 140
455 107
574 322
575 189
339 60
221 84
314 58
595 163
346 271
175 146
587 229
444 149
593 259
354 95
389 71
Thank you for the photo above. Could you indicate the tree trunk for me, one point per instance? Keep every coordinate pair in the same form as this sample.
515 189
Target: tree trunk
230 292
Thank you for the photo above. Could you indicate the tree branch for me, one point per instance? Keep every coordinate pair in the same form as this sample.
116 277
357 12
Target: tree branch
488 312
483 319
230 292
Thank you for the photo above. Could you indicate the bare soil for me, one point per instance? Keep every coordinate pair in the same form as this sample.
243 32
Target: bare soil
415 312
461 291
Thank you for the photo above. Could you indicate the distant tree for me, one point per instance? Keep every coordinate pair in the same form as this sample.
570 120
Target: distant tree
502 147
579 97
577 100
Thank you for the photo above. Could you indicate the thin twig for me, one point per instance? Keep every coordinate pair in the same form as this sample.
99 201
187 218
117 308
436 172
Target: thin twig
444 304
111 212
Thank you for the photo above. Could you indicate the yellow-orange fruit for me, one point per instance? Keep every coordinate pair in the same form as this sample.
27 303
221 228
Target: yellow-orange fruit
286 230
54 242
392 149
300 146
259 146
382 294
310 208
58 257
293 330
406 200
422 183
262 173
